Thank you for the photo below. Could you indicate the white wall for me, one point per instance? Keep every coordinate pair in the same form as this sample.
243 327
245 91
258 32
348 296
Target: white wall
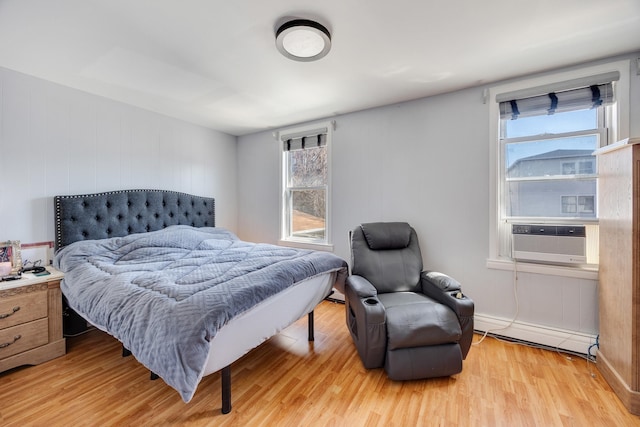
55 140
425 162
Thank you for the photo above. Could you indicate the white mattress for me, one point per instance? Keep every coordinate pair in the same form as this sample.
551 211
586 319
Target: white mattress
266 319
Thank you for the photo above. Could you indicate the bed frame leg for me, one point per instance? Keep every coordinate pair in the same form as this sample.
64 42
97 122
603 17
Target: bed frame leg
226 374
226 389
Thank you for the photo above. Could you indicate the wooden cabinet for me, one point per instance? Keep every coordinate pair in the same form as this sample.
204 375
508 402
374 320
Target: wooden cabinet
619 289
31 320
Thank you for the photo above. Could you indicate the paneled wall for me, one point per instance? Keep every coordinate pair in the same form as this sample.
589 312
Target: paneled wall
56 140
427 162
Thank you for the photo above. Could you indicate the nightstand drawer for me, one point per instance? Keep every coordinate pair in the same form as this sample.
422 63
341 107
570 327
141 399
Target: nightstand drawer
22 308
23 337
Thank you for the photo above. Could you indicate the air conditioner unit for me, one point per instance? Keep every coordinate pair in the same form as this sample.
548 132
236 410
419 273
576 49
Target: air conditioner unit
557 244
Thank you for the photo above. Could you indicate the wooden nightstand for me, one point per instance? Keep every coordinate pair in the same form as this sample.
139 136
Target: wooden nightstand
31 320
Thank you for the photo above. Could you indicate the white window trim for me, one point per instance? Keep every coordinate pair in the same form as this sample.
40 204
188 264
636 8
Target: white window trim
284 241
495 154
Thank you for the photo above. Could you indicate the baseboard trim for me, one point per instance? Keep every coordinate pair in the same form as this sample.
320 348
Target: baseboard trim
629 398
578 342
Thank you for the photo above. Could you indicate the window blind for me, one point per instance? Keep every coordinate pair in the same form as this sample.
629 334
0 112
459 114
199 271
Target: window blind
578 94
309 139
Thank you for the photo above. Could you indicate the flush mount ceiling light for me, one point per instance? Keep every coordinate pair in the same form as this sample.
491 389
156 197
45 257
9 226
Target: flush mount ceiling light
303 40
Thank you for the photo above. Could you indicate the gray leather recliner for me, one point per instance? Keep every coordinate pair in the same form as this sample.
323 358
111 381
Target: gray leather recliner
417 324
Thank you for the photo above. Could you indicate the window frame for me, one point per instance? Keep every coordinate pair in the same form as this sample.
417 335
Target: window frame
286 239
618 120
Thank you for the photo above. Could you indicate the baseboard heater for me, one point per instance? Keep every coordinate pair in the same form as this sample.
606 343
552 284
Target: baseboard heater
557 244
571 340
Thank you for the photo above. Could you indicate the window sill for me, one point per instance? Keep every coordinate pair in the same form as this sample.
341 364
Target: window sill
590 273
306 245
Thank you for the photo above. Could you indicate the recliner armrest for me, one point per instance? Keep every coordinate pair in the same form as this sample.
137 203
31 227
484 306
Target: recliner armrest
441 281
361 286
448 291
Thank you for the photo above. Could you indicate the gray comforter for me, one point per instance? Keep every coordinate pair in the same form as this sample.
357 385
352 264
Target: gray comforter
165 294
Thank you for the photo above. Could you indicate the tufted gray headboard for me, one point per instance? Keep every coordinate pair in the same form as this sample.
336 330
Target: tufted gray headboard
119 213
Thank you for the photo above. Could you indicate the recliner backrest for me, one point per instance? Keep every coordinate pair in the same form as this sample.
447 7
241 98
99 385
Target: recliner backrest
388 255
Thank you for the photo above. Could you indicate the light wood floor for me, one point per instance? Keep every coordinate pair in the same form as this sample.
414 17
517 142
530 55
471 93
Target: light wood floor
289 382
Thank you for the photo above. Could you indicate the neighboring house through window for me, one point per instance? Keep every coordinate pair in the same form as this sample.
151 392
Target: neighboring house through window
536 184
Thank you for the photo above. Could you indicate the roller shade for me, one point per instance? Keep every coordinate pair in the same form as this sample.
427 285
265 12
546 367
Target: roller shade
309 139
573 95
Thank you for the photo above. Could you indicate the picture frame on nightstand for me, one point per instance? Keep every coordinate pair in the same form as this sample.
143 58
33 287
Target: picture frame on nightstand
10 258
36 255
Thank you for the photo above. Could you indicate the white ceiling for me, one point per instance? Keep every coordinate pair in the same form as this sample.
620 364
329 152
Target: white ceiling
214 62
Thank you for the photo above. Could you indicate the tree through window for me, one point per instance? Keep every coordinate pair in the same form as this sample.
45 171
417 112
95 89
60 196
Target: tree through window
306 187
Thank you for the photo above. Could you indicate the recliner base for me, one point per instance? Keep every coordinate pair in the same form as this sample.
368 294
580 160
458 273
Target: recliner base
423 362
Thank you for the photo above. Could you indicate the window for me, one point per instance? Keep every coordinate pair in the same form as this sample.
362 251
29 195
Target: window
542 156
543 134
586 204
305 184
586 167
569 204
569 168
578 204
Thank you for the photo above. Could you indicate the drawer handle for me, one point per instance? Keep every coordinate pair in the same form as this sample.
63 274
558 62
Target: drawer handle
7 344
15 310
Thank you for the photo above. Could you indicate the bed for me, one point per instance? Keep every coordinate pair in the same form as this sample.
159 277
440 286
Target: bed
186 298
